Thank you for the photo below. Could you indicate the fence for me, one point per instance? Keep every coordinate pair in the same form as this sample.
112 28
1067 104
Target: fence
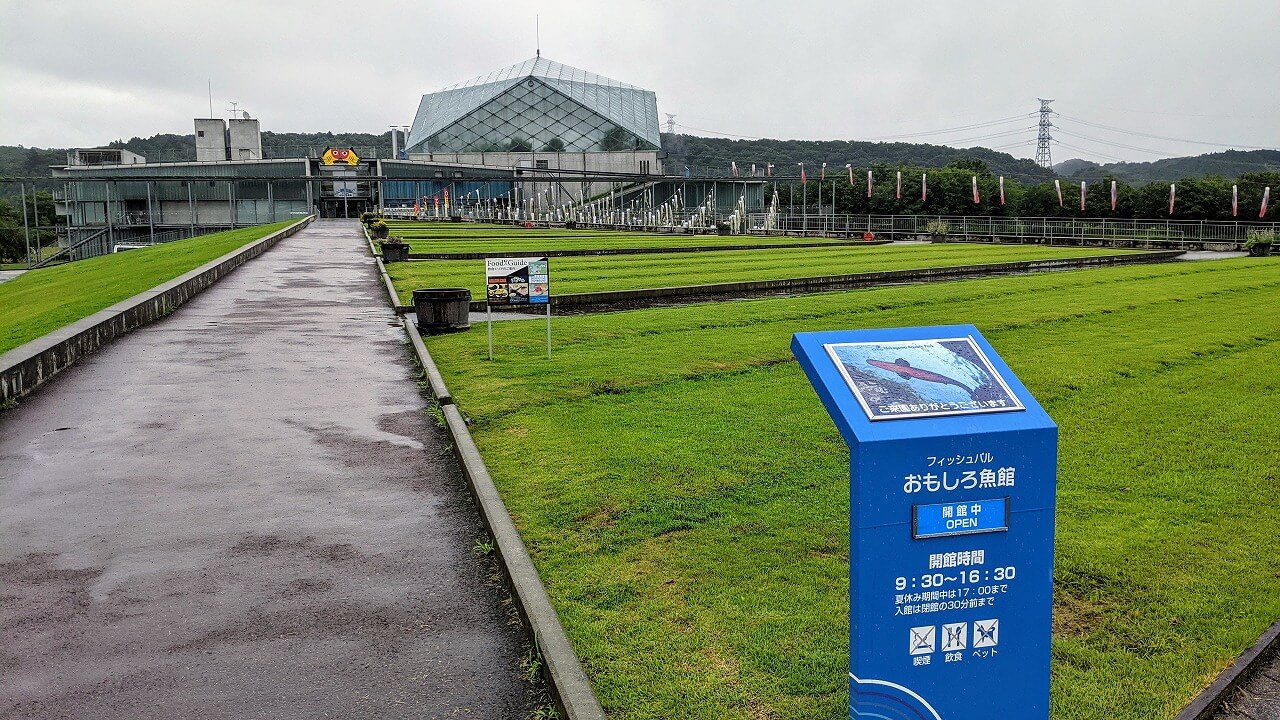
1048 230
1184 234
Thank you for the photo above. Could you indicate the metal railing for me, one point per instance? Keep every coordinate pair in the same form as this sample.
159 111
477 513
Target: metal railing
1017 229
1189 234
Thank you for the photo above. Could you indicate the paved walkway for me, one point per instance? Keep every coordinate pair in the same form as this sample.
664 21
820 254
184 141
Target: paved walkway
1258 698
242 511
10 274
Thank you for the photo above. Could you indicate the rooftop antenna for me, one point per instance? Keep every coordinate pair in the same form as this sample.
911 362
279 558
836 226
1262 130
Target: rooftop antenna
537 34
210 97
233 108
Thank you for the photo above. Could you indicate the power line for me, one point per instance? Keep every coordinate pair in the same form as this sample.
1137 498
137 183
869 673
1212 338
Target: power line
713 132
1020 143
944 131
1116 144
1168 113
960 128
992 136
1094 153
1164 137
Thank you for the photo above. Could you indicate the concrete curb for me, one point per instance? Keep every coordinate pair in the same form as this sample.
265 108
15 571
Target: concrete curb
637 251
1207 702
569 685
833 282
434 378
574 697
28 366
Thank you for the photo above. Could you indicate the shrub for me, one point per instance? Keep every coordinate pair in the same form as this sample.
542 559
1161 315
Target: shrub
379 228
1255 238
1259 242
937 227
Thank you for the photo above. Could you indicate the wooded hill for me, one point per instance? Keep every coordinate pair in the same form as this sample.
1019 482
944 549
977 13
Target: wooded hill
705 155
714 154
1230 164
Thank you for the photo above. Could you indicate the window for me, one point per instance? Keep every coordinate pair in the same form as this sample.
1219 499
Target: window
644 167
542 165
199 133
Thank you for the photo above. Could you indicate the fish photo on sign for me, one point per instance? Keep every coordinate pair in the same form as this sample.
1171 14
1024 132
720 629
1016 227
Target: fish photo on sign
922 378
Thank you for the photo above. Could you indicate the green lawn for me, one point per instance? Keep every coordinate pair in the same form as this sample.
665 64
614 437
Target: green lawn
468 238
684 495
43 300
626 272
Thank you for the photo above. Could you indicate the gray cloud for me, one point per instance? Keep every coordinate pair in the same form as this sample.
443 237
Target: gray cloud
82 73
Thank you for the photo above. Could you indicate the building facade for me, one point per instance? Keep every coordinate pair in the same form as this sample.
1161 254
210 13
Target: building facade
531 139
541 115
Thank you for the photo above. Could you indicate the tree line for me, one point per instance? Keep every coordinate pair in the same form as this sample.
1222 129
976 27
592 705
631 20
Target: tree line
40 225
715 154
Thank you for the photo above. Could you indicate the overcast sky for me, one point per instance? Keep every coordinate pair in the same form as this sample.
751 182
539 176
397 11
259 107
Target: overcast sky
77 73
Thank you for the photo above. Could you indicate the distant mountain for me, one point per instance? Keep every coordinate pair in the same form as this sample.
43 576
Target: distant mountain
1067 168
715 154
1227 164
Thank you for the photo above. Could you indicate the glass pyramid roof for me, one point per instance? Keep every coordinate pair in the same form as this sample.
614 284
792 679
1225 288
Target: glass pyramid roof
633 109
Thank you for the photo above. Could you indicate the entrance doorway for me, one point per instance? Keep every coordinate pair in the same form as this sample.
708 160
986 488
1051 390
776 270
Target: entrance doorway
344 207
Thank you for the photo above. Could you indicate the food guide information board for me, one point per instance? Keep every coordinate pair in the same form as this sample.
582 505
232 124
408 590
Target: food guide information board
517 281
952 487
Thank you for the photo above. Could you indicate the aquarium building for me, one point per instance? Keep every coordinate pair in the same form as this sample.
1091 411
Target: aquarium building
540 114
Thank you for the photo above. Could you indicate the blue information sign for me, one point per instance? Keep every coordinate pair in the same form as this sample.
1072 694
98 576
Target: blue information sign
952 482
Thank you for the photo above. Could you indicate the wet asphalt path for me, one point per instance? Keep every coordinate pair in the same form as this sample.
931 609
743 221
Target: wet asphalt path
241 511
1258 697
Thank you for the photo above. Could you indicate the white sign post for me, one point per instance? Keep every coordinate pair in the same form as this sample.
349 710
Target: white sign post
517 281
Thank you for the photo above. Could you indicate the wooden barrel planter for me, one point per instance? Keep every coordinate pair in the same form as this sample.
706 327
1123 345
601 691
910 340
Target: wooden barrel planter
442 310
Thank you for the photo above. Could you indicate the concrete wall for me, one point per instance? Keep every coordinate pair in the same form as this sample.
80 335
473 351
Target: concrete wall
245 139
29 366
213 145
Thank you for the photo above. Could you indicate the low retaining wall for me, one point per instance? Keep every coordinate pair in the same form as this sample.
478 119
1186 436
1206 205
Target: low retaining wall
29 366
836 282
1208 702
569 685
638 251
